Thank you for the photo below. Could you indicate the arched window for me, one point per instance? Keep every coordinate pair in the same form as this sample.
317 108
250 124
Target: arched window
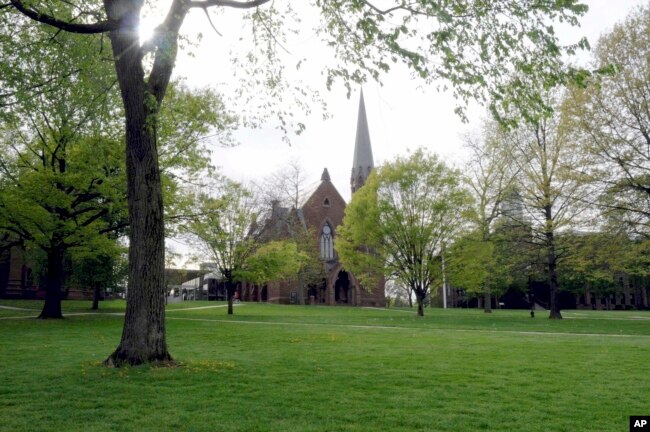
326 243
326 203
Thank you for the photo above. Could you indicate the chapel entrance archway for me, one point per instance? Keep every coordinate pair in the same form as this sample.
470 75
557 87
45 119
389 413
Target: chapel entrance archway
343 288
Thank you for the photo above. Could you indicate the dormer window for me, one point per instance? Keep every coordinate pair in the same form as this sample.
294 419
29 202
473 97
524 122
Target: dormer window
326 203
326 243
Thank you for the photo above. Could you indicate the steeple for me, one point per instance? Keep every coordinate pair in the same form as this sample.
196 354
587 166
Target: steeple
325 176
362 163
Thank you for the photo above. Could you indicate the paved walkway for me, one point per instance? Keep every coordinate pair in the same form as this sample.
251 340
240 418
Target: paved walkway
17 308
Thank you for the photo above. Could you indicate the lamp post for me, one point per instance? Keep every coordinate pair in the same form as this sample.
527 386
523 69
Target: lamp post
444 282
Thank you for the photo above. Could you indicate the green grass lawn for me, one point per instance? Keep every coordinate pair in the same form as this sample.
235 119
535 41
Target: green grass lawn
292 368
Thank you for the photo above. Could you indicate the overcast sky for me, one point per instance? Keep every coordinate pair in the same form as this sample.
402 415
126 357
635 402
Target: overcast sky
401 114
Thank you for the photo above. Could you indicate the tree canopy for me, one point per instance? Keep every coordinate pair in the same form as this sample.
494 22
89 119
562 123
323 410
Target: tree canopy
613 120
398 224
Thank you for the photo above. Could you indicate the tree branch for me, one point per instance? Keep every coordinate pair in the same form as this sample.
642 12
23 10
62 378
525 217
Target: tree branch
227 3
98 27
166 42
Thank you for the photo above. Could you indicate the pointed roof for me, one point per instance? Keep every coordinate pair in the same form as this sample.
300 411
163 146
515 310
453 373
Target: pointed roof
362 148
325 176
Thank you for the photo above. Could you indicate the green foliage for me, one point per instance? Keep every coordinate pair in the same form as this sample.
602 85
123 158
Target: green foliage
483 260
224 216
501 52
398 224
101 262
60 75
477 265
61 156
61 171
597 260
637 259
276 260
592 260
225 226
189 121
62 194
612 119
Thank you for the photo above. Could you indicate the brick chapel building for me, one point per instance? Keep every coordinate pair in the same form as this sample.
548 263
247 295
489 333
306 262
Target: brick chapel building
322 212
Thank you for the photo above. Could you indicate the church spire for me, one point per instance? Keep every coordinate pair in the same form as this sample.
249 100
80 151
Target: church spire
325 176
362 162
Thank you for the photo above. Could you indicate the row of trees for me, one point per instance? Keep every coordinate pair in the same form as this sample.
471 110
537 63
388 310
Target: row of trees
475 46
563 196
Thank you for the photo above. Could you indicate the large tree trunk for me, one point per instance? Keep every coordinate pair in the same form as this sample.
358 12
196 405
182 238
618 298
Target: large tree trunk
420 301
487 302
143 337
53 284
96 295
230 293
554 306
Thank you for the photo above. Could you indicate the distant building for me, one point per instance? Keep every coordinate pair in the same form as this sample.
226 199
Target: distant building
16 275
322 212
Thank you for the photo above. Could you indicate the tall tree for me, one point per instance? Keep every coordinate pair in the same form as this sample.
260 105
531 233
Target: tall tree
614 117
490 176
59 160
474 45
286 186
66 132
61 199
99 264
224 227
398 224
479 266
545 152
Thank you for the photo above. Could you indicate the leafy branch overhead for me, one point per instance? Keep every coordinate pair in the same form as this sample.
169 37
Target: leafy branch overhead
497 52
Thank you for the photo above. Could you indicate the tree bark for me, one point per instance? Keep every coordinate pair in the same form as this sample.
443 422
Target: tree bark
420 300
143 337
53 284
96 295
487 302
554 307
230 292
551 261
